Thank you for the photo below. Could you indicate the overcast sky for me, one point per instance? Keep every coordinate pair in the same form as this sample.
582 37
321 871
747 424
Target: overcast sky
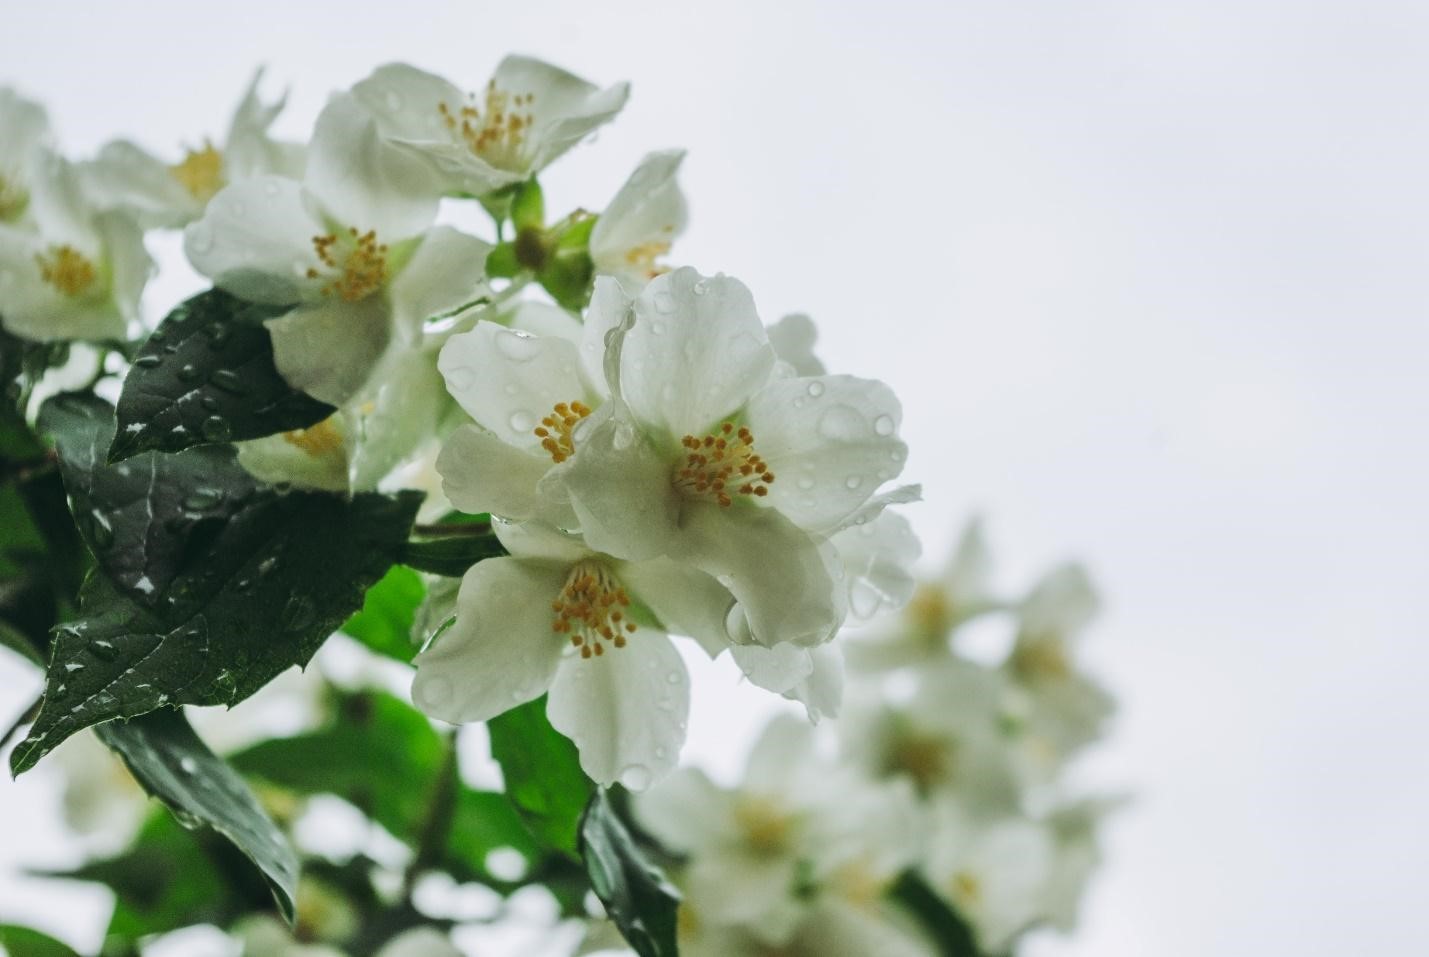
1150 280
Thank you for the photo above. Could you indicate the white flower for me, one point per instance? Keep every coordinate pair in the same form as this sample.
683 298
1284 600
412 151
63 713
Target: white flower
1077 854
101 801
793 339
1062 709
68 271
994 872
529 114
713 460
388 424
349 248
529 388
830 929
125 176
934 611
24 131
948 738
798 834
591 629
641 222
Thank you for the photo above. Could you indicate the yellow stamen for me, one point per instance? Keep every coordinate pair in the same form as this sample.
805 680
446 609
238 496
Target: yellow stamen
924 758
591 610
765 824
201 172
68 270
496 131
643 257
360 259
317 440
721 464
555 429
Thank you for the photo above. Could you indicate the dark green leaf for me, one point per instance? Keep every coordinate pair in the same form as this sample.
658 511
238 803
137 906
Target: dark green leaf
24 942
256 595
951 932
167 758
388 613
453 556
636 895
543 774
12 638
207 375
143 519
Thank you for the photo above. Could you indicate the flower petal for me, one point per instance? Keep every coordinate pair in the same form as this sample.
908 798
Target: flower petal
620 489
405 102
248 150
130 265
500 651
255 239
330 348
26 126
793 340
564 108
625 709
364 182
125 176
448 270
646 215
776 669
394 416
686 600
821 693
33 309
687 812
782 579
508 380
830 440
481 473
696 353
275 459
608 311
878 559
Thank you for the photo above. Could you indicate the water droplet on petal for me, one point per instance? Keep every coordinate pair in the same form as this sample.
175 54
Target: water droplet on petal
460 378
805 482
393 100
517 346
853 482
816 388
636 777
521 421
883 425
841 423
664 303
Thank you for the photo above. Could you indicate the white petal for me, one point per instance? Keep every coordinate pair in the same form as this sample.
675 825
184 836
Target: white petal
878 558
821 693
419 942
26 126
248 150
508 380
59 207
793 340
124 176
35 310
255 239
619 487
780 757
545 319
776 669
405 101
836 929
830 440
687 812
625 709
696 353
781 577
1062 604
564 108
481 473
394 416
609 310
330 348
274 459
364 182
448 270
130 265
535 540
686 600
751 891
649 210
500 651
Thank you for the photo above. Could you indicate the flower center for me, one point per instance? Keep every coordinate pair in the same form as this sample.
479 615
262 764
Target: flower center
361 263
721 464
1041 658
643 256
317 440
591 609
555 429
922 757
497 131
765 824
201 172
965 889
67 269
13 199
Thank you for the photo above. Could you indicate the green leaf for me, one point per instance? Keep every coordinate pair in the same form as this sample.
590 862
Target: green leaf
636 894
952 934
451 557
207 375
388 614
381 755
543 774
249 597
169 760
24 942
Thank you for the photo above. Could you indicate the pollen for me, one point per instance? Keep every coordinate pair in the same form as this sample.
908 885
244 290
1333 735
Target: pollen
721 465
592 610
358 259
317 440
497 130
201 172
68 270
13 199
555 429
645 256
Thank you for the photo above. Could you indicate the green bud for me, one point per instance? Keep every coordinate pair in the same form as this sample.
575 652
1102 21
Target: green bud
531 249
501 262
528 207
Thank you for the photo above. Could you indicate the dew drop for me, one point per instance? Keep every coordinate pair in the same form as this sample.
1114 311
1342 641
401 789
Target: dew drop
883 425
394 101
636 777
660 752
517 346
188 372
73 666
664 303
104 649
805 482
816 388
229 381
266 566
673 677
189 765
853 482
623 438
460 378
215 428
202 498
841 423
521 421
148 362
209 402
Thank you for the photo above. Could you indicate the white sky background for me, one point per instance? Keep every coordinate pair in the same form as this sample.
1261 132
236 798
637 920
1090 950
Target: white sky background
1150 279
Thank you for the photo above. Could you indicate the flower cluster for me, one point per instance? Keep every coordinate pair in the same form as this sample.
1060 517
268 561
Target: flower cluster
946 766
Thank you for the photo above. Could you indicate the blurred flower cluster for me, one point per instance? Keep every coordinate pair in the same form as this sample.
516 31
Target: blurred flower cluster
527 463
